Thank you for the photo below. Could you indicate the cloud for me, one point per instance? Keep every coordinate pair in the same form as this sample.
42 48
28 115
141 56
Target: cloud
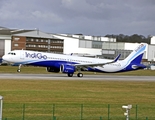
46 17
93 17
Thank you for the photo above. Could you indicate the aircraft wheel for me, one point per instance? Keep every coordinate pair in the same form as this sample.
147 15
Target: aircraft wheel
80 75
19 70
70 75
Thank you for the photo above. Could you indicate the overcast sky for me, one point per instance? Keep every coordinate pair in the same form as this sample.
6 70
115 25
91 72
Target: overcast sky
89 17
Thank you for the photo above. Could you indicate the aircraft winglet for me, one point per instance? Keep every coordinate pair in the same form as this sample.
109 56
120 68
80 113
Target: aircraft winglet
115 60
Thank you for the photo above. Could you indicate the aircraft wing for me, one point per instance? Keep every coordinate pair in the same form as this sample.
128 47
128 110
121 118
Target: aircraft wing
96 64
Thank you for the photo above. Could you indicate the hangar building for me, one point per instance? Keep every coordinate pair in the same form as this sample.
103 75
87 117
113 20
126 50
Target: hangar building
78 44
11 39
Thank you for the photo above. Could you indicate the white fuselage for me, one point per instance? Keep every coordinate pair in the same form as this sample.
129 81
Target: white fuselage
31 57
69 64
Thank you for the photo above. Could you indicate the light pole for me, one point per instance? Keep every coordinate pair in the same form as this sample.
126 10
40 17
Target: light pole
1 105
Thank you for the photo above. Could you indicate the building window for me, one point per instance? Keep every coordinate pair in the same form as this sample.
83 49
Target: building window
96 44
85 44
46 41
16 39
16 45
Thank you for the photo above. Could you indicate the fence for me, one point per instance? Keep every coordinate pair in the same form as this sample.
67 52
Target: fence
75 112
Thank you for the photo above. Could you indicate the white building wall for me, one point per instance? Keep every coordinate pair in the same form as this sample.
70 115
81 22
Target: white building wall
119 45
113 45
90 51
104 39
71 45
7 43
153 40
88 37
130 46
151 52
76 36
7 46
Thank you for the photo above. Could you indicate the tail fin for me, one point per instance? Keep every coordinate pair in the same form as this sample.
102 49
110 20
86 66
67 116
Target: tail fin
136 55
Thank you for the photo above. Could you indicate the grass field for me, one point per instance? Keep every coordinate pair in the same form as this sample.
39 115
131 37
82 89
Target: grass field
75 100
42 70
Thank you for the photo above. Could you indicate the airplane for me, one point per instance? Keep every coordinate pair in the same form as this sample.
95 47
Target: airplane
69 64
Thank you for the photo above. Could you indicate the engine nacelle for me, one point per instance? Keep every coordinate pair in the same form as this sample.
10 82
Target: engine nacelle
52 69
67 68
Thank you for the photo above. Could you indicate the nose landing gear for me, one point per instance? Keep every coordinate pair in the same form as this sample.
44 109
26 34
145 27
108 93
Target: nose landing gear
18 70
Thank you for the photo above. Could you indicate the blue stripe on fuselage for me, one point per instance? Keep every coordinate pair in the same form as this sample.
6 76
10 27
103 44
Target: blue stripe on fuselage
49 63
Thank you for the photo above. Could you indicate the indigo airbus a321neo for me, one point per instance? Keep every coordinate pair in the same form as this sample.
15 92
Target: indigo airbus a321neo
69 64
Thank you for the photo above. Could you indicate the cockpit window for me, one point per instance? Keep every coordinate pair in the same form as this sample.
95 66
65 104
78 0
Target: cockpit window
11 53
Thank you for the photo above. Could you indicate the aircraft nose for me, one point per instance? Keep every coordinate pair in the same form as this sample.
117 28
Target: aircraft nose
4 58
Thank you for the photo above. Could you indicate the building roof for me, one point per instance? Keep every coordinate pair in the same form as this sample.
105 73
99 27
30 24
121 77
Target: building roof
7 31
27 33
34 33
2 28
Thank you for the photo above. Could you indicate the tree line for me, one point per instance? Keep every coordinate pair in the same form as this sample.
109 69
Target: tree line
131 39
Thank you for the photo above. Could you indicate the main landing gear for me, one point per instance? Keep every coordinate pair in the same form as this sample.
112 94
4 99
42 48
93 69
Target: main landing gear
18 70
70 74
78 75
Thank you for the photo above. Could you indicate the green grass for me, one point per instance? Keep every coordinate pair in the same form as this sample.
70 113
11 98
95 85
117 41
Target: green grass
75 100
24 69
40 95
42 70
77 92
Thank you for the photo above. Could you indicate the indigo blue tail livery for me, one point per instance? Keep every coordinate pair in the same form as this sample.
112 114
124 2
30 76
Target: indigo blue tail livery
69 64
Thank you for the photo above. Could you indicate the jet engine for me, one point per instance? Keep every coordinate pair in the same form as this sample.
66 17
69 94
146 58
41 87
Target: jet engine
52 69
64 68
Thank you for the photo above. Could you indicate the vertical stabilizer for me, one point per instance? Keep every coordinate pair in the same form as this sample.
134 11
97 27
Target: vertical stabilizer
136 55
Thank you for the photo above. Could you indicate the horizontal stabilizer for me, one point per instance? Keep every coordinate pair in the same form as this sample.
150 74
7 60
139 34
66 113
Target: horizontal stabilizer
139 66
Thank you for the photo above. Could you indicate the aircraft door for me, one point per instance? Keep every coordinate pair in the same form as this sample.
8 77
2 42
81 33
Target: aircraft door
22 54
